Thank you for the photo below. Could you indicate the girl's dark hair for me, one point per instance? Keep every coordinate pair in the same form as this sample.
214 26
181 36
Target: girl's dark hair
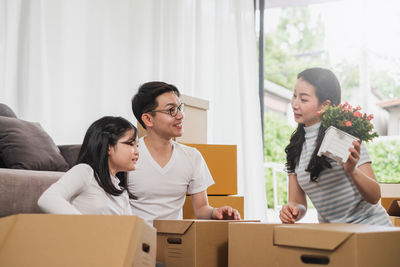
327 87
103 133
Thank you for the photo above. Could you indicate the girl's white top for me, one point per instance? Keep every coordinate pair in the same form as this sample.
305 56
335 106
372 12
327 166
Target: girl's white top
78 192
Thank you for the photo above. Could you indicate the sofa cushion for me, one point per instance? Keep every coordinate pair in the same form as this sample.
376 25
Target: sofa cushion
2 165
25 145
6 111
70 153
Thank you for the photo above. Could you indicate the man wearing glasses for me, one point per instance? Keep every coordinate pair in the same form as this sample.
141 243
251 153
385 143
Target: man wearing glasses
166 170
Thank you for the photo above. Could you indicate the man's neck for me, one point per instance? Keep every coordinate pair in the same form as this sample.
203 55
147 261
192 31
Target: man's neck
158 144
160 148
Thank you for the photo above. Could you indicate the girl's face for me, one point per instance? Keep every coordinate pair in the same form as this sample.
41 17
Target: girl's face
123 156
305 103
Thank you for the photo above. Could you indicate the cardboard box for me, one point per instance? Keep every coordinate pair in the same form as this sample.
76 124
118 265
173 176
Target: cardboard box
192 243
222 163
250 244
195 122
386 201
76 240
334 245
394 212
395 220
236 202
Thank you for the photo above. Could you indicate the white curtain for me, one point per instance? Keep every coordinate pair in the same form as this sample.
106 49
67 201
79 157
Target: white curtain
65 63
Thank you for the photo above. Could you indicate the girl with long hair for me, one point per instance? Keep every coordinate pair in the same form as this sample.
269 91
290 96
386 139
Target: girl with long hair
98 183
347 193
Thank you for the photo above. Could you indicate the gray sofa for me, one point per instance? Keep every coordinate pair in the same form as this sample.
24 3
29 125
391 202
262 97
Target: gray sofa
21 188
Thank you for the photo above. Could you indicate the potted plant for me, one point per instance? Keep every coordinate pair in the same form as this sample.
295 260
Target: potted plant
344 125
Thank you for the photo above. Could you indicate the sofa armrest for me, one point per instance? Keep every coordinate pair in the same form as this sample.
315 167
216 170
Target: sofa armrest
21 189
70 153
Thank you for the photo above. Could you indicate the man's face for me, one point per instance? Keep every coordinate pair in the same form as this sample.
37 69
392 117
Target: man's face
164 124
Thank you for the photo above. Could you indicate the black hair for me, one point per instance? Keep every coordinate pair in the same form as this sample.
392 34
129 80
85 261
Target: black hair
327 87
103 133
145 99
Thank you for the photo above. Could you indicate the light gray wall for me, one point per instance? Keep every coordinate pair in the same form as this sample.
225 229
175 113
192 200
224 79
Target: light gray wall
394 121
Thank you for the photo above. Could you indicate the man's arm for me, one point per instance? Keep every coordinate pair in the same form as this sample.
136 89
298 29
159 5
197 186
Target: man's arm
202 210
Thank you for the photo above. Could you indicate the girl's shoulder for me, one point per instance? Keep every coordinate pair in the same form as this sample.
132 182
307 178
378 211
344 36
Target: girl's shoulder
82 170
80 175
82 167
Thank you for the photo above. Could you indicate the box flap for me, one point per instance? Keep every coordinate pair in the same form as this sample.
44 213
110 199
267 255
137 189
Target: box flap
172 226
316 236
394 209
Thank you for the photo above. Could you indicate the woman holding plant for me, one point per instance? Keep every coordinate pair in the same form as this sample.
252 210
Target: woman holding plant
341 193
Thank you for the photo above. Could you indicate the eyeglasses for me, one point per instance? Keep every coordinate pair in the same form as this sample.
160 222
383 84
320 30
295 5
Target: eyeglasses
172 111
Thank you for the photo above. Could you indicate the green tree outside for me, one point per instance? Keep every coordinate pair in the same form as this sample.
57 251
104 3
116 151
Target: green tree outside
277 133
296 44
385 158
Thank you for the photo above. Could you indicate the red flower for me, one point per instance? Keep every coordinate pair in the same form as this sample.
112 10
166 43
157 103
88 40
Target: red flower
349 119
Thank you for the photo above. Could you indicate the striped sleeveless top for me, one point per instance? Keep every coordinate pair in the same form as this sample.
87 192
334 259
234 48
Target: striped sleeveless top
334 195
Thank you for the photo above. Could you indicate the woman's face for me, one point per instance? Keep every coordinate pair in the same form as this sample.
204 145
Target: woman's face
305 103
123 155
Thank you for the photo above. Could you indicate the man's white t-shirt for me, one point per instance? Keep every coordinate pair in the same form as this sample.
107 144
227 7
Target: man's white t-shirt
161 191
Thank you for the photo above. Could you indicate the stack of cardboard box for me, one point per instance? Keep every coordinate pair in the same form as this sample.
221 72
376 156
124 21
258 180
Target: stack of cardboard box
222 163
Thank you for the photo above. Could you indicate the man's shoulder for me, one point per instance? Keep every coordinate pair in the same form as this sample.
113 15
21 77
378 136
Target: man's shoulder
186 150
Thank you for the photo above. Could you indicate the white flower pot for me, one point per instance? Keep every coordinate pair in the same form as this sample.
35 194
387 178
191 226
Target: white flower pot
336 144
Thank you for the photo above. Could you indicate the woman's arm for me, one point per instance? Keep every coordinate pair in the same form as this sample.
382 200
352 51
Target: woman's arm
363 176
57 198
297 206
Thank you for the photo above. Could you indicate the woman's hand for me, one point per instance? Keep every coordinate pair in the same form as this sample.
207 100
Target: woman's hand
354 157
289 213
297 204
